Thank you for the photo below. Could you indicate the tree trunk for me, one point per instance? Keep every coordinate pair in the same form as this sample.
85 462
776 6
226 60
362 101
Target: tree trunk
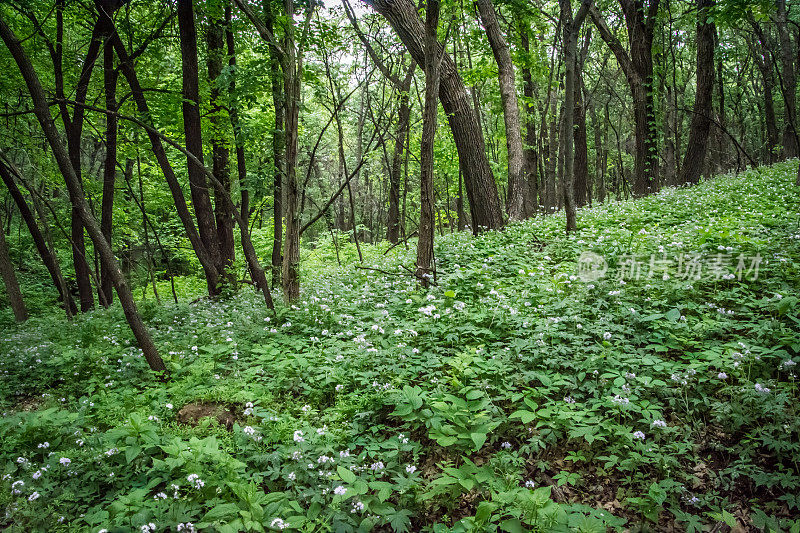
109 167
530 153
403 123
481 188
571 28
789 78
201 200
205 258
45 252
278 148
430 112
10 282
698 133
215 40
42 111
291 81
638 67
515 204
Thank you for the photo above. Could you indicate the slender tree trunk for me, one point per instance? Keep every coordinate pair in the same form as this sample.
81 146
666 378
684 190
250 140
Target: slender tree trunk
701 123
291 81
430 112
110 166
515 204
201 200
670 168
481 188
45 251
403 123
42 111
205 258
10 281
789 77
278 147
571 28
530 153
640 20
215 40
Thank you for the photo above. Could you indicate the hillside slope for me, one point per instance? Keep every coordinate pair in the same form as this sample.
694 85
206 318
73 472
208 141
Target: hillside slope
651 386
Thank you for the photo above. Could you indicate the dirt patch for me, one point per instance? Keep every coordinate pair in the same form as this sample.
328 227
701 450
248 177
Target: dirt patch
191 414
28 404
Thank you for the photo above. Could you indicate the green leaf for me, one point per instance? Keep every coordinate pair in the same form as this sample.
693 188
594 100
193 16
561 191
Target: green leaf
525 416
346 475
132 452
512 525
479 439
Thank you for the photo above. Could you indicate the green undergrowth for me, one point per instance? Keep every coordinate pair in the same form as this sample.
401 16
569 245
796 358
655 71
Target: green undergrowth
517 394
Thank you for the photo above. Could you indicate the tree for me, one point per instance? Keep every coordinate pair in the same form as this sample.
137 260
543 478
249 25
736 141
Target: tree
10 281
701 115
637 63
42 112
571 28
431 64
46 252
482 193
515 205
201 200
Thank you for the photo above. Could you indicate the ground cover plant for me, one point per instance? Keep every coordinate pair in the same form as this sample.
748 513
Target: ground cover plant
521 392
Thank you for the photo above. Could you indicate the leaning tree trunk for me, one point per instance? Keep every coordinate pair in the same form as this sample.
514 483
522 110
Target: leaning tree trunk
48 256
181 208
201 200
430 111
701 115
515 204
10 281
482 193
42 112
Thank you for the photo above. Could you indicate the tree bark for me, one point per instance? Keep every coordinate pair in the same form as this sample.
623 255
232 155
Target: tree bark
395 176
201 199
430 111
701 116
42 111
220 155
789 78
515 205
10 281
571 28
109 166
482 193
640 20
291 80
45 252
530 153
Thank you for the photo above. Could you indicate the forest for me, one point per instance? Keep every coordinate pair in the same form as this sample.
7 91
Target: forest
386 265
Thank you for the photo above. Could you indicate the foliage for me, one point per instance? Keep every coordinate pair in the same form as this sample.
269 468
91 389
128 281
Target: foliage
511 397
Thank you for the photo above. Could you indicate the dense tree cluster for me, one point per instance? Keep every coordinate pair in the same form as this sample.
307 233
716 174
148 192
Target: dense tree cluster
135 138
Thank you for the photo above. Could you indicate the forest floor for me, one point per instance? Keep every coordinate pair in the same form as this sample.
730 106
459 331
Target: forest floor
640 374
